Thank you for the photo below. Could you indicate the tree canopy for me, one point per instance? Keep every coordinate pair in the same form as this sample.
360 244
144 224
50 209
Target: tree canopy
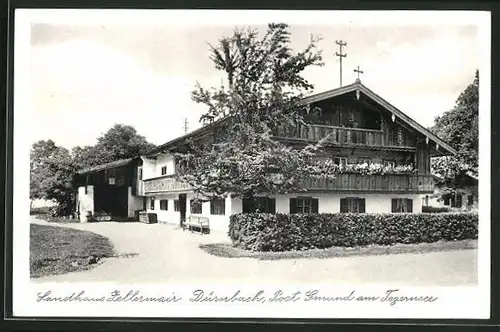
119 142
264 89
459 128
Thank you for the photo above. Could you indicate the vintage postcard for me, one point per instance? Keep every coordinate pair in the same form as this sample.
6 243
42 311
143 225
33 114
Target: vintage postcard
251 164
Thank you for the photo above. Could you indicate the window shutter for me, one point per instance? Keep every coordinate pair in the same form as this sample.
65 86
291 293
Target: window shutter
409 205
394 205
314 205
447 200
293 205
271 205
361 205
343 205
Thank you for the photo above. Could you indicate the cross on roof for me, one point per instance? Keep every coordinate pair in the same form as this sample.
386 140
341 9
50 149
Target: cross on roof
357 70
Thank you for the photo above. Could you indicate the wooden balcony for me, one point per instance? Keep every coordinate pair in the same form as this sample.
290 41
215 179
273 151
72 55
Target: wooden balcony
341 136
164 184
389 183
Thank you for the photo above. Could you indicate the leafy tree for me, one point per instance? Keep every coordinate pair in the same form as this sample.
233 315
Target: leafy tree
459 128
264 90
51 170
119 142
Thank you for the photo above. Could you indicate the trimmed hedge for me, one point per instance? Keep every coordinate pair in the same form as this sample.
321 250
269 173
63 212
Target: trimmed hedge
433 209
283 232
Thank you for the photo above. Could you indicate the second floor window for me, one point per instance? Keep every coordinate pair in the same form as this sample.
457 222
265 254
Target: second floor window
340 161
364 160
402 205
164 170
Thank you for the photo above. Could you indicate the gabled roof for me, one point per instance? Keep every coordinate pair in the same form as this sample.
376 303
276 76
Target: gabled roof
358 86
113 164
185 137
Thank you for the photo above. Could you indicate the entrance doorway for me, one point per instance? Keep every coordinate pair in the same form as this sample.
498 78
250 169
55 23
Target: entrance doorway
182 208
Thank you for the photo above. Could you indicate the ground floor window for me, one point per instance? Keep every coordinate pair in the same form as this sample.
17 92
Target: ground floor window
218 206
454 201
195 207
352 205
152 203
470 200
259 205
401 205
177 206
303 205
163 204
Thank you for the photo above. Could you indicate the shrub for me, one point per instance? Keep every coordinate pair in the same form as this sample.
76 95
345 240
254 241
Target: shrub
433 209
283 232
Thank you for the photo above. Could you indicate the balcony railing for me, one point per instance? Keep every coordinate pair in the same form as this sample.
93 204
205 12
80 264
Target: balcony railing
339 135
403 183
164 184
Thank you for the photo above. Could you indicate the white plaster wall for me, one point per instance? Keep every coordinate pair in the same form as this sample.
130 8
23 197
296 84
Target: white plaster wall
165 216
330 203
165 160
148 168
134 203
85 201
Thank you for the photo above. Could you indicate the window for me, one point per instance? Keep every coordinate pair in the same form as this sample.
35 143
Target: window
352 205
164 170
388 162
364 160
446 200
177 206
259 205
111 181
470 200
400 138
458 201
152 203
218 206
303 205
340 161
196 207
164 204
401 205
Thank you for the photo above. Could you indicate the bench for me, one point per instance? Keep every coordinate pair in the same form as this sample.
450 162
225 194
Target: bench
197 223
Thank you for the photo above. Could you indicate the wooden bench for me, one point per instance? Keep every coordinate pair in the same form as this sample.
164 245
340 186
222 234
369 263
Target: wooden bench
197 223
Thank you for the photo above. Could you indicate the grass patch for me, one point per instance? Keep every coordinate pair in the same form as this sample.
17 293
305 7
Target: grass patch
58 250
228 251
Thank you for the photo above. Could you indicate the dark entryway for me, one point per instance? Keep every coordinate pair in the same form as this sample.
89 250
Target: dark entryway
182 208
111 200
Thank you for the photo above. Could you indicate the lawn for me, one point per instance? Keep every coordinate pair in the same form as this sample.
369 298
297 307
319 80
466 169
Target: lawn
228 251
58 250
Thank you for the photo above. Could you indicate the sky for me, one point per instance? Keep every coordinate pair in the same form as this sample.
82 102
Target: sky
88 77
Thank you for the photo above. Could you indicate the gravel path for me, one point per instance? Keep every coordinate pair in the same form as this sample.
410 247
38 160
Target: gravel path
159 253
